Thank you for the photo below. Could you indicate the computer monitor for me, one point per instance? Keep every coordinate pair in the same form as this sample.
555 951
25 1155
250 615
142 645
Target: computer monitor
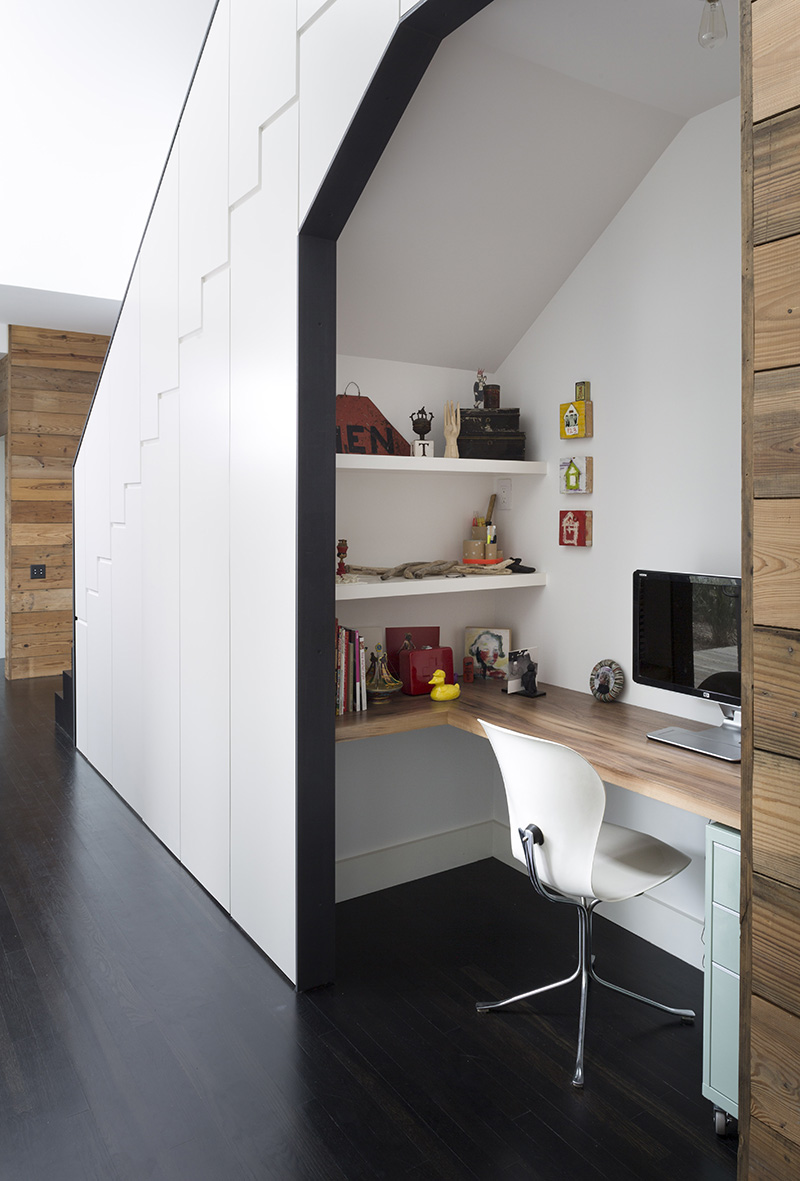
687 638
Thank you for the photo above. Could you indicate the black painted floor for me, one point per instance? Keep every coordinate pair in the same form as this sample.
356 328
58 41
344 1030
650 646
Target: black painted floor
143 1036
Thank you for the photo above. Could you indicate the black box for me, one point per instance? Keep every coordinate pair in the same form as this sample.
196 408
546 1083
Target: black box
491 434
477 421
500 445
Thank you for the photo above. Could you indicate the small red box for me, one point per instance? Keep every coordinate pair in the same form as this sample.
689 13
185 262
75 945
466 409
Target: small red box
418 665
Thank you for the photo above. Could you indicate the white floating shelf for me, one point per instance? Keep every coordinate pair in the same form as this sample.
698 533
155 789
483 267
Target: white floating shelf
410 463
373 588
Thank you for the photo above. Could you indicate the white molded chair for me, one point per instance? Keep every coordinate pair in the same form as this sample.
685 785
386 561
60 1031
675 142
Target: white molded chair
556 802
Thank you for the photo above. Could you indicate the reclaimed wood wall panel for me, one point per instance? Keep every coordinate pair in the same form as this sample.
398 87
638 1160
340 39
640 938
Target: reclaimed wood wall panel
775 1052
776 187
772 1156
776 691
776 563
33 489
4 395
51 377
769 1099
776 943
776 433
776 52
42 347
776 817
776 289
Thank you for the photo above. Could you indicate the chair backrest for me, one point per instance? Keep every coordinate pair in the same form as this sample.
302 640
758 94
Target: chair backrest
555 788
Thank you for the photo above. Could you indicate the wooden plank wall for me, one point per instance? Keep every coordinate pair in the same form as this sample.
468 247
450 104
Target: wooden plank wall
50 380
770 1059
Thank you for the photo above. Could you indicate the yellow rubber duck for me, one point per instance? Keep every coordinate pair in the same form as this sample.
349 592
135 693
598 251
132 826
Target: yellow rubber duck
440 691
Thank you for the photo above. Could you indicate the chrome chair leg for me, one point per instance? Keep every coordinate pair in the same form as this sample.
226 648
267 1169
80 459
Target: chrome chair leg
582 971
487 1006
686 1015
584 966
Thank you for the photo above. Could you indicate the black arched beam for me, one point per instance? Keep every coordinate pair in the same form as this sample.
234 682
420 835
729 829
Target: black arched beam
400 71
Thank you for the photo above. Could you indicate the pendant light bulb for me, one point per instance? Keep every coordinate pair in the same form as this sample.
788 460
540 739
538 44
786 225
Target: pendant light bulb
713 27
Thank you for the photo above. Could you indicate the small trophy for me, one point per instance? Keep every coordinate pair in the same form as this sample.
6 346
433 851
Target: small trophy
421 422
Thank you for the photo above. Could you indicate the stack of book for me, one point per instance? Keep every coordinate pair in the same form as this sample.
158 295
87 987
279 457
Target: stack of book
351 672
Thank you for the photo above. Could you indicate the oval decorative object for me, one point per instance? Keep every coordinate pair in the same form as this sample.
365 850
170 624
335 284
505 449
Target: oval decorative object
606 680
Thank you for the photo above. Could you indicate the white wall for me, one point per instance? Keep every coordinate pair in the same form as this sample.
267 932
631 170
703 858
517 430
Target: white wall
651 317
181 614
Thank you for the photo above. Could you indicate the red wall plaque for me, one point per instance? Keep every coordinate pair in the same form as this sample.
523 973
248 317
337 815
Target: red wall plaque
575 527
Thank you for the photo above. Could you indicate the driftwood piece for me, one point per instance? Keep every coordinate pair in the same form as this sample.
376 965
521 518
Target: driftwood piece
495 568
431 569
442 566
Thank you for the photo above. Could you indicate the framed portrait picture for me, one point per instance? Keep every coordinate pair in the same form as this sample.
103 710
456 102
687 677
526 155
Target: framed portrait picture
489 648
606 680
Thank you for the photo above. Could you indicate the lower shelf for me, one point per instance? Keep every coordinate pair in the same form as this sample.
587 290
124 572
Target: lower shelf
373 588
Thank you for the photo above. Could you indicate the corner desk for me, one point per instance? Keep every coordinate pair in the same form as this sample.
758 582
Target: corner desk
611 735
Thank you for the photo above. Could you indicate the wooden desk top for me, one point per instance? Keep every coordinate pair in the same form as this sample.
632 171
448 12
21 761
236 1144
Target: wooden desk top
613 737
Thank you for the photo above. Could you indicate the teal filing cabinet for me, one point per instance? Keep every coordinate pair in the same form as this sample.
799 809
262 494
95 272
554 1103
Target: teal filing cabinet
721 977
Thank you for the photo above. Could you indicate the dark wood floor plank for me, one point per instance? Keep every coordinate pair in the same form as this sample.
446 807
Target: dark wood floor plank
143 1035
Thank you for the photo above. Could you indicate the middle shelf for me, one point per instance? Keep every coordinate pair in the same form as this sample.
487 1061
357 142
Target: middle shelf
373 588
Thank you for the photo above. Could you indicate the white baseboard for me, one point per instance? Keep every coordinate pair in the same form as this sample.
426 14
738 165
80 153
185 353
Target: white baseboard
396 864
646 916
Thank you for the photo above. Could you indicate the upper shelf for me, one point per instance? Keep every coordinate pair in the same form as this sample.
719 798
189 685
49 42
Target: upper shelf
373 588
410 463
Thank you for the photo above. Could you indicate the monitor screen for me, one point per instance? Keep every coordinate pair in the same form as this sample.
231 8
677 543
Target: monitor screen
687 633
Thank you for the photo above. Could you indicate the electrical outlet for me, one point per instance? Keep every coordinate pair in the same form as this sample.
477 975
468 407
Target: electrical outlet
38 571
504 495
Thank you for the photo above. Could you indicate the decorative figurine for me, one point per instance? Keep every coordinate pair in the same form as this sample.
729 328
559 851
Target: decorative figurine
478 388
523 672
452 429
469 670
421 422
379 681
341 549
440 691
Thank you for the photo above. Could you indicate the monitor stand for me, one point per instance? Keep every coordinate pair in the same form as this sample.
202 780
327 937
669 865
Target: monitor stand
721 742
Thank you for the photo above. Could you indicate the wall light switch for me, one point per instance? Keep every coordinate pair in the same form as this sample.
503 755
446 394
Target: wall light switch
38 571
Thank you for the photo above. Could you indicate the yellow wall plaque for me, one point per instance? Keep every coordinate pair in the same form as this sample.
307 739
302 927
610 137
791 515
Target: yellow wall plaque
577 420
